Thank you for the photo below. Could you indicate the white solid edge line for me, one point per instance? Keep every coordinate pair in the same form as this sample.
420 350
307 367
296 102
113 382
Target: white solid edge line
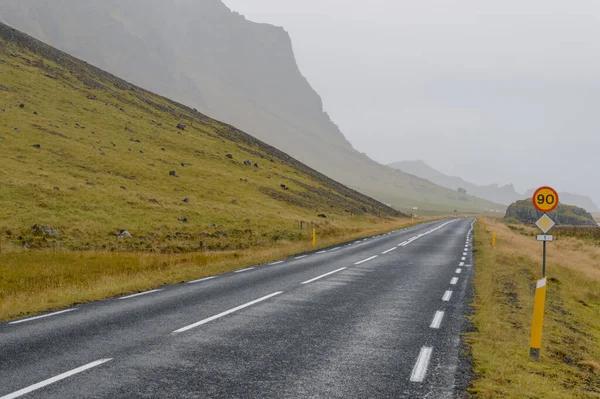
320 252
454 281
366 260
389 250
244 270
300 257
42 316
52 380
141 293
437 319
447 296
323 275
225 313
201 279
458 271
276 263
335 249
541 283
420 369
461 264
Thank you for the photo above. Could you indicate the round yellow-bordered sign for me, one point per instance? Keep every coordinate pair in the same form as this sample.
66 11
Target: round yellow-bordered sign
545 199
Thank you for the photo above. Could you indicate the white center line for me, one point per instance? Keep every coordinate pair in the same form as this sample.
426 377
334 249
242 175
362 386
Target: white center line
201 279
447 296
42 316
437 319
52 380
420 369
244 270
366 260
458 271
141 293
276 263
389 250
300 257
225 313
454 280
323 275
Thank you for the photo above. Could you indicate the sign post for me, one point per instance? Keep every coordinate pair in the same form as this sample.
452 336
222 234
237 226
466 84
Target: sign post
545 199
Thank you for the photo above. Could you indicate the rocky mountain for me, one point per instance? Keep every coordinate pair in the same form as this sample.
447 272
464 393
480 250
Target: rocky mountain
204 55
565 215
502 194
89 161
493 192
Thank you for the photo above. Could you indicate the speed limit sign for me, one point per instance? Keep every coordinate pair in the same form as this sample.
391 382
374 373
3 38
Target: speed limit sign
545 199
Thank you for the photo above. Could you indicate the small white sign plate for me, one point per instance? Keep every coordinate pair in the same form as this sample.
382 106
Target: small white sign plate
545 238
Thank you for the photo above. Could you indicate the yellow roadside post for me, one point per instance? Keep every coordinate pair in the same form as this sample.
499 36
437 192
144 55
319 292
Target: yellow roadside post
314 237
545 199
538 320
493 239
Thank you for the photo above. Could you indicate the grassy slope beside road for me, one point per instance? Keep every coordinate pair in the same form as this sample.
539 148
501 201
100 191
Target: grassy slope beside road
89 155
503 308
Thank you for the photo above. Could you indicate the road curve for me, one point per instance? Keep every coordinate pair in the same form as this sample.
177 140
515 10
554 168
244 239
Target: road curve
373 318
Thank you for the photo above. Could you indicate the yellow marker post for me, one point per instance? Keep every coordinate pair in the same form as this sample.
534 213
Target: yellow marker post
538 320
493 239
314 240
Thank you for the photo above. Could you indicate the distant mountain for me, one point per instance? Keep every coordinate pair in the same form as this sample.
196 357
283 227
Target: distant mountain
501 194
493 192
202 54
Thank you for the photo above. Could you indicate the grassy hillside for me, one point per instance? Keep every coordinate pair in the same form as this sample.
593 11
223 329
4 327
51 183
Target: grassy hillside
503 307
90 155
252 81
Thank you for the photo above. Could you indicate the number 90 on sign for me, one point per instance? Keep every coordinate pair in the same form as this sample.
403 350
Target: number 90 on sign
545 199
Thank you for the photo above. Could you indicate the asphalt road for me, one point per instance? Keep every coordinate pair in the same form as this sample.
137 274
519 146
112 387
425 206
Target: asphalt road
379 318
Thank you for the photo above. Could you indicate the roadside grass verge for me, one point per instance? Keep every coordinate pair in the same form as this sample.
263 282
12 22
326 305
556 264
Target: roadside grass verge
505 278
37 281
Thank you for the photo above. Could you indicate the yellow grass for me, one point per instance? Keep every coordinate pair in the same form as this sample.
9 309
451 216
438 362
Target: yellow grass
35 281
503 307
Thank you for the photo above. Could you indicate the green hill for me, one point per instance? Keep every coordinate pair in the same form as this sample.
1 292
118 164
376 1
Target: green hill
91 159
244 73
524 211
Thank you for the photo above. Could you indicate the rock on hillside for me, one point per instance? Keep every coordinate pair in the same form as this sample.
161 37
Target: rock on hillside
245 73
566 215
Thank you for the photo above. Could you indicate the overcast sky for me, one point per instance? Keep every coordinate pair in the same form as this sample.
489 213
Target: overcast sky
504 91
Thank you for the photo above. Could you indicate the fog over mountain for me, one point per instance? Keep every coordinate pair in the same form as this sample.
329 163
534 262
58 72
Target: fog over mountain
503 194
244 73
501 91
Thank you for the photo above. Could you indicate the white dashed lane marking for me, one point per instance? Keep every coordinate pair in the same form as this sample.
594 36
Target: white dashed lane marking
42 316
201 279
52 380
437 319
366 260
225 313
447 296
141 293
323 275
244 270
420 369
